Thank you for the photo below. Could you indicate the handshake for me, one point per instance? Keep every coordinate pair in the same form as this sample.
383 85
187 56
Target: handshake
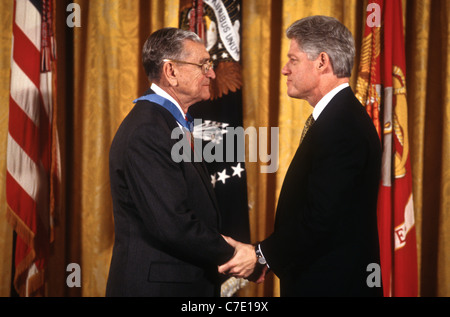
244 263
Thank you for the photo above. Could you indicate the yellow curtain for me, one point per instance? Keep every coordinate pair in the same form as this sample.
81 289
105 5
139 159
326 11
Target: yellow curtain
100 73
428 70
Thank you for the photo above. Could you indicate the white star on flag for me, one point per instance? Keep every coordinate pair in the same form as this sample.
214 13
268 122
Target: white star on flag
223 176
237 170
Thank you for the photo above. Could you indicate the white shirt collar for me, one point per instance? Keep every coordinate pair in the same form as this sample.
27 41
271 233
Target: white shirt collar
159 91
326 99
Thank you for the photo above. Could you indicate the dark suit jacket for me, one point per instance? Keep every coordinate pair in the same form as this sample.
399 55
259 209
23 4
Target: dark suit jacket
325 232
167 238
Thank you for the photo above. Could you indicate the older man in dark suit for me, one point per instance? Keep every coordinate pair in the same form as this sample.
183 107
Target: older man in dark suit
167 236
325 234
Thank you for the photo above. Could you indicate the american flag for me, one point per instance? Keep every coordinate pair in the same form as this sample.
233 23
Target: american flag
33 164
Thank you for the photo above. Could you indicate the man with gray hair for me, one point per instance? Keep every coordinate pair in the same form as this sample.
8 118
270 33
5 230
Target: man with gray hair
166 219
325 239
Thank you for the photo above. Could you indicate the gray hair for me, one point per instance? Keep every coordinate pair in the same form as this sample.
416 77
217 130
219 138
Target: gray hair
164 43
318 34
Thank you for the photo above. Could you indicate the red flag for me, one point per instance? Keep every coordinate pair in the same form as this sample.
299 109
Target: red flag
33 167
381 88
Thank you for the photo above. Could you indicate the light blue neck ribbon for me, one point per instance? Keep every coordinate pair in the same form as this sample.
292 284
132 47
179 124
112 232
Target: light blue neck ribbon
169 106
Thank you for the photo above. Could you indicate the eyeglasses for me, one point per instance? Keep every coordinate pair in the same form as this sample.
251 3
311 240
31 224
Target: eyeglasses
205 67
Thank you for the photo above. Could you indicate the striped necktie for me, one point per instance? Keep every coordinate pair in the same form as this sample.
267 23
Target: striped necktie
309 122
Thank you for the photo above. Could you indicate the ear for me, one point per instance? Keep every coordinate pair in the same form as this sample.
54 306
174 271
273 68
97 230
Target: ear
323 61
170 73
